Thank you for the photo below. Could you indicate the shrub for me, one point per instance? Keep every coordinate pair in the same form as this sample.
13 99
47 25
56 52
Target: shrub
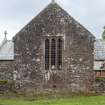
3 82
100 79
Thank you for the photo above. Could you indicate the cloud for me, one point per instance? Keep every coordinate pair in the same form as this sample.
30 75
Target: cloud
90 13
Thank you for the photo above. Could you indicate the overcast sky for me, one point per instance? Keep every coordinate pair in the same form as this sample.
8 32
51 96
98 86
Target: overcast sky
14 14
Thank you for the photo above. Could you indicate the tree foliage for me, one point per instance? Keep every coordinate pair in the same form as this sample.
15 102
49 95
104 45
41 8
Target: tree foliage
103 34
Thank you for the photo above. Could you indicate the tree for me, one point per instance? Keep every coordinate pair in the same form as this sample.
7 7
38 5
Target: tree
103 34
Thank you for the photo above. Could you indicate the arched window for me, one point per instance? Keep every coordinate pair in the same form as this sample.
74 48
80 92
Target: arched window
47 54
53 54
59 54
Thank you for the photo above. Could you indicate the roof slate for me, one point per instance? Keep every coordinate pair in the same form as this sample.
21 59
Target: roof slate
99 50
7 50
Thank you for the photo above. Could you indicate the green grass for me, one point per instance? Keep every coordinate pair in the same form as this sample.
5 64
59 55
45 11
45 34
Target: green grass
82 100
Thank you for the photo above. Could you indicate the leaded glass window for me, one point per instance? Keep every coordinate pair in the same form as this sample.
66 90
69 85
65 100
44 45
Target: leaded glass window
47 54
53 54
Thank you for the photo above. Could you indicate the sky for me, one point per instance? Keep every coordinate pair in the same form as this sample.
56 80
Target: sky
15 14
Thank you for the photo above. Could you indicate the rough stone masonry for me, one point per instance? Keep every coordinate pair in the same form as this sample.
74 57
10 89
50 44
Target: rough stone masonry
52 52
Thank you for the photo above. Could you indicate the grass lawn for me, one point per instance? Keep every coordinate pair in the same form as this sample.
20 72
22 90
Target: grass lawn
82 100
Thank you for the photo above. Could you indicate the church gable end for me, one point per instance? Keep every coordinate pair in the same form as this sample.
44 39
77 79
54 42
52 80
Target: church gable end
54 51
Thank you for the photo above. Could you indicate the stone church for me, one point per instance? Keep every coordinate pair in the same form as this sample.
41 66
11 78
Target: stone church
52 52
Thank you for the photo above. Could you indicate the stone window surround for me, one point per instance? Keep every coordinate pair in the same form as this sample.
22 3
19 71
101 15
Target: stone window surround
56 37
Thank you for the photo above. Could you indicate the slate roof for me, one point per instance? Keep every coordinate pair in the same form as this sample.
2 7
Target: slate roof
99 50
7 50
98 65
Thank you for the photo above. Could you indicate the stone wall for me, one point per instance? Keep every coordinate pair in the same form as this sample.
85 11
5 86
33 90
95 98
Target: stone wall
6 70
78 44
